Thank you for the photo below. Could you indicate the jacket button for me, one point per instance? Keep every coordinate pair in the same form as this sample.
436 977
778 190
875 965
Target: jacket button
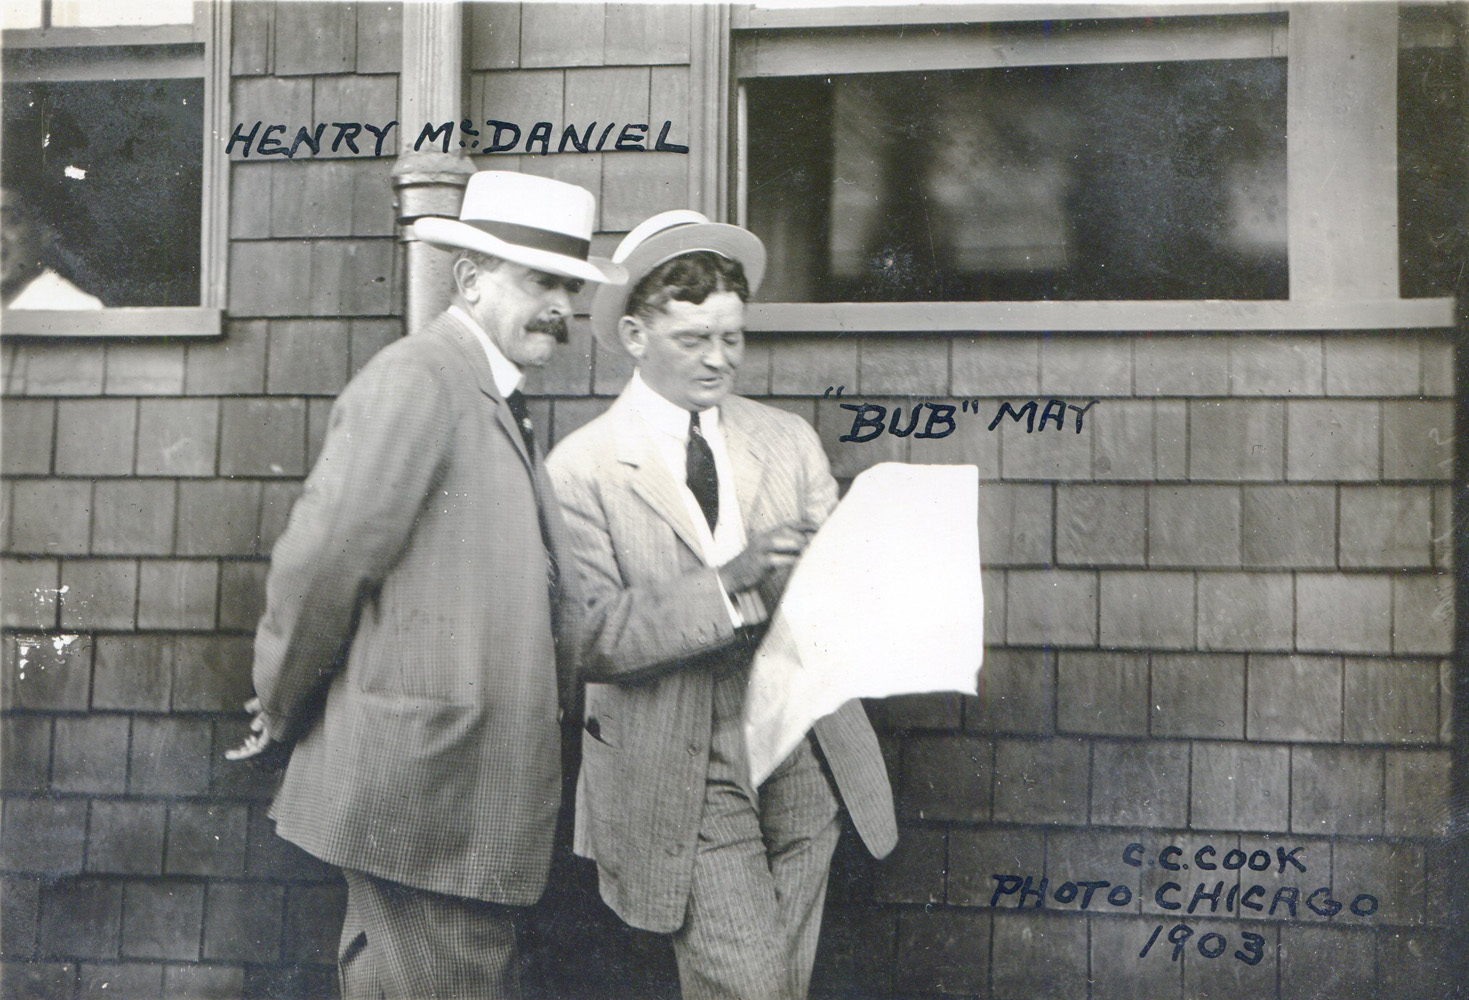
693 749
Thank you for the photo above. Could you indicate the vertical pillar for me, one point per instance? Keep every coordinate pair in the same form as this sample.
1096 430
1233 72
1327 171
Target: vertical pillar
709 110
430 89
1456 939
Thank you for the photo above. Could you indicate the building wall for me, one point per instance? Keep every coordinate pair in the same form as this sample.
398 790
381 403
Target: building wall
145 482
1219 615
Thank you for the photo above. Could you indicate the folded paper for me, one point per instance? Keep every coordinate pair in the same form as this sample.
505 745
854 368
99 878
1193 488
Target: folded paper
885 601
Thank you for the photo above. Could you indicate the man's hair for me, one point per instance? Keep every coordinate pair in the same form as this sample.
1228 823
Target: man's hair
480 259
690 277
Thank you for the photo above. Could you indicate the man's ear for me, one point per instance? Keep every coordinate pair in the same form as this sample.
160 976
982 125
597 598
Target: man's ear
465 272
634 336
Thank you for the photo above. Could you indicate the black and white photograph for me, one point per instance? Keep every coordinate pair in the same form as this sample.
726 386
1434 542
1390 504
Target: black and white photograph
734 501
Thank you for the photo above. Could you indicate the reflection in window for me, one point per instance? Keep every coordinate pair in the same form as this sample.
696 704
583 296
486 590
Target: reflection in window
107 175
1431 222
1133 181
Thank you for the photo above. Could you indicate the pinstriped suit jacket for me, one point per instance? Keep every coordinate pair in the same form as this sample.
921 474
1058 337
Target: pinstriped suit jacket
653 631
406 646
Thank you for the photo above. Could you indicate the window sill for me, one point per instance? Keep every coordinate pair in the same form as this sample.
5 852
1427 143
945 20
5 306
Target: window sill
1078 317
146 322
746 16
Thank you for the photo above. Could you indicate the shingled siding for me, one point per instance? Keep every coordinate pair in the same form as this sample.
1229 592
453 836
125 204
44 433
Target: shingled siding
1218 616
145 483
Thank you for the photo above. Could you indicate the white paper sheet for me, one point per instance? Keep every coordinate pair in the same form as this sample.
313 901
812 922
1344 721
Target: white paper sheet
885 601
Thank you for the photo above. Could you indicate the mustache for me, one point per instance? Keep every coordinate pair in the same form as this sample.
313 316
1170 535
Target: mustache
554 325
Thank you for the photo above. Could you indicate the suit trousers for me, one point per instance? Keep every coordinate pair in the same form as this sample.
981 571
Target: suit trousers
760 869
399 942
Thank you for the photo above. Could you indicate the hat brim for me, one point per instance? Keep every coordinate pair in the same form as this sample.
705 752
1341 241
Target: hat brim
610 302
451 234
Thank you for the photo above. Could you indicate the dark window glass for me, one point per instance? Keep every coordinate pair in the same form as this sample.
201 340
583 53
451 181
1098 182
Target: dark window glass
1431 208
110 174
1124 181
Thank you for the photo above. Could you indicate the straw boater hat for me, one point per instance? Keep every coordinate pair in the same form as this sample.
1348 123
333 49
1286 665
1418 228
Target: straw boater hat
660 239
536 221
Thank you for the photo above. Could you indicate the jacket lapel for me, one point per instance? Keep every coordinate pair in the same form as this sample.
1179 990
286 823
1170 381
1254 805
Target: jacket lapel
750 459
464 339
651 481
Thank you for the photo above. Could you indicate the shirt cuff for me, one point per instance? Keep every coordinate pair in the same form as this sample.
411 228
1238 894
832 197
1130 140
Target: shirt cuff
735 618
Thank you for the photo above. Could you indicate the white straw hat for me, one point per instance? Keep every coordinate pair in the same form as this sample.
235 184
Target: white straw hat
536 221
661 238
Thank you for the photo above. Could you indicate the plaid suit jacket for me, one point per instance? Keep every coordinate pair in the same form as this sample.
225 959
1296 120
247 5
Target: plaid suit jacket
406 646
653 631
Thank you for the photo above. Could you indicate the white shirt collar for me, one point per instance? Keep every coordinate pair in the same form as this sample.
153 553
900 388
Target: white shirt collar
665 416
507 375
668 439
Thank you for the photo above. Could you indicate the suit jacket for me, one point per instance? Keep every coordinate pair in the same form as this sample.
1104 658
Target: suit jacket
653 631
406 645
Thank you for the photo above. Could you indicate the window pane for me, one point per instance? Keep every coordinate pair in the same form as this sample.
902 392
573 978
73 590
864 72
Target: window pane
1432 240
1131 181
110 13
109 174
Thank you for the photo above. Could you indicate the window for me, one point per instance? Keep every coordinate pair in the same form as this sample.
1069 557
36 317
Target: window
1104 172
113 193
1430 153
1129 181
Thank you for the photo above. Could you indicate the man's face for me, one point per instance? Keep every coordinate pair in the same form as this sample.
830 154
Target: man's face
20 241
523 310
689 353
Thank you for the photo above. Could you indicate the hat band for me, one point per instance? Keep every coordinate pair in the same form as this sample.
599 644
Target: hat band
535 239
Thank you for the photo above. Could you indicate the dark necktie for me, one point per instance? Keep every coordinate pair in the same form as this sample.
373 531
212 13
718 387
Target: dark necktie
522 420
703 479
516 401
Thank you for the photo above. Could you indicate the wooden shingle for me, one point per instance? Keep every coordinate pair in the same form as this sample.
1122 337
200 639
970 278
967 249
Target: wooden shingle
494 35
646 33
313 38
251 36
379 37
365 100
561 34
520 96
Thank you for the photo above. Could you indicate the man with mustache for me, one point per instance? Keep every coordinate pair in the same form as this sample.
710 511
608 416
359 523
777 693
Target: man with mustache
406 652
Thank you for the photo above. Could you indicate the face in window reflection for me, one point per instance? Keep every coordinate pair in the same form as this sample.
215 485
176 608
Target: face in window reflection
120 194
22 240
689 352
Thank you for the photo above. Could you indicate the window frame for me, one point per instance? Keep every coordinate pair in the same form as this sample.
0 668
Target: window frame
1331 259
145 52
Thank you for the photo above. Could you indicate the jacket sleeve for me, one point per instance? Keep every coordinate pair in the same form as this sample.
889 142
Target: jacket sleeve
631 632
386 442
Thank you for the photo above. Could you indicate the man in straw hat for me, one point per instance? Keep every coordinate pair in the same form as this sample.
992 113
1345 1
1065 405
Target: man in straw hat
406 651
686 508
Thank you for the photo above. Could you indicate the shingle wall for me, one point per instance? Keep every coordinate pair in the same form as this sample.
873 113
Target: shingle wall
1218 617
145 483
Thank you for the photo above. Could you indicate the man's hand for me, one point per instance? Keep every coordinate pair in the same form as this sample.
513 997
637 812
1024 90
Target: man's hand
256 743
775 550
